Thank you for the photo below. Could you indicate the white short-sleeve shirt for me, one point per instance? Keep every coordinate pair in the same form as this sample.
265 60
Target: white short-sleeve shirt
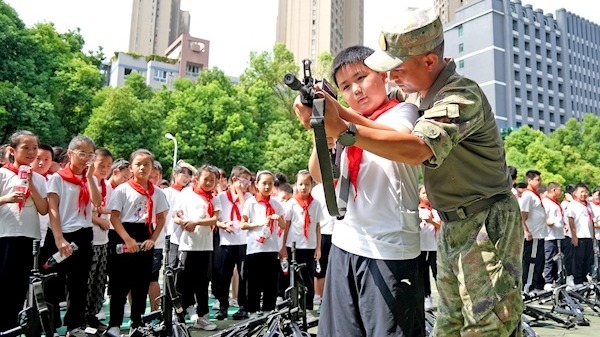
195 207
132 205
101 235
295 213
536 215
238 236
71 218
382 221
580 214
15 222
328 221
257 213
554 214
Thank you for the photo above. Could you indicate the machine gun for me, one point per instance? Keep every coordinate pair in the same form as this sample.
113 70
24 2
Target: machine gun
171 313
328 160
36 317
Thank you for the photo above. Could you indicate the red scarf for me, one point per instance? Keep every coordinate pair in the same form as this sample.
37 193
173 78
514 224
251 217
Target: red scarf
588 211
270 210
113 184
149 192
177 187
103 191
562 211
305 203
15 170
208 196
84 195
235 210
355 153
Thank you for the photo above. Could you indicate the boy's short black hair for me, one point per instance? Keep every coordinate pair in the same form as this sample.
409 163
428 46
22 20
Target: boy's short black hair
46 147
286 187
350 55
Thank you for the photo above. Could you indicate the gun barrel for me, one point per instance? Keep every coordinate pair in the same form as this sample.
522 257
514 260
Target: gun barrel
292 81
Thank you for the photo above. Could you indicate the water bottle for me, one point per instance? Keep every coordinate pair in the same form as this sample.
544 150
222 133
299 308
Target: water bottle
285 266
317 266
122 248
265 234
58 257
23 185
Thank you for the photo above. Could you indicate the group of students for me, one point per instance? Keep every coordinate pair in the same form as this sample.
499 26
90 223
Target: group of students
110 219
552 226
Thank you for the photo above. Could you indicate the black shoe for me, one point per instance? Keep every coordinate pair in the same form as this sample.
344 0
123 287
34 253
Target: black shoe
95 323
240 314
221 315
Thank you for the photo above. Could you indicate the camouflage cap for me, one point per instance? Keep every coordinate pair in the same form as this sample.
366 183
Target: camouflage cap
420 31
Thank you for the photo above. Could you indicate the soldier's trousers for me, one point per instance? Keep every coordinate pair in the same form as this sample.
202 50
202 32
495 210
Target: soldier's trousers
479 273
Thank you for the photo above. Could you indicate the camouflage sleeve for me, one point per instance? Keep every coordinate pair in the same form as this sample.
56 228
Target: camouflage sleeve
397 94
456 114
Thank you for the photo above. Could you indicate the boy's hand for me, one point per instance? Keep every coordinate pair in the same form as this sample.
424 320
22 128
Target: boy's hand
147 245
189 226
334 124
132 246
64 247
104 224
90 171
317 253
13 197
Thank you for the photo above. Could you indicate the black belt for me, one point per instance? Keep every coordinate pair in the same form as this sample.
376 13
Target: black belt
464 212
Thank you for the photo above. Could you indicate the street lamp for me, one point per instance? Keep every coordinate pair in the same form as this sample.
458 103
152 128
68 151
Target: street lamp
168 135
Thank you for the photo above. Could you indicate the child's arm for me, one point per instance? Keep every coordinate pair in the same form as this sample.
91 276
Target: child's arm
248 225
212 221
64 247
115 219
160 223
318 249
11 198
574 238
95 194
283 251
41 203
101 222
279 220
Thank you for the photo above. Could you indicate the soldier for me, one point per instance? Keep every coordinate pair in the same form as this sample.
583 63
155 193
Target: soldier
458 143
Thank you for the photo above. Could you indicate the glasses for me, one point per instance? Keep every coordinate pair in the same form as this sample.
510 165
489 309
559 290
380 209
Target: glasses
244 181
84 155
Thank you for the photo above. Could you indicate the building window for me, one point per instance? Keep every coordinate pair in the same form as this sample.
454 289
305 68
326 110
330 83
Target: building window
461 64
529 112
517 92
551 101
515 42
540 98
192 69
528 95
127 71
159 75
528 62
461 47
528 80
515 25
538 50
539 82
460 30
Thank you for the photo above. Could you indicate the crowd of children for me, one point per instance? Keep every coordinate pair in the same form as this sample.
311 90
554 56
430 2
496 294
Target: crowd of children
109 218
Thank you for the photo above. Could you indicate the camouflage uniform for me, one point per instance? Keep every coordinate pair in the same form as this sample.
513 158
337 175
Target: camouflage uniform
479 246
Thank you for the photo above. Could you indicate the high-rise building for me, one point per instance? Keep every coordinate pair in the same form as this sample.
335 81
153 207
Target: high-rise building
536 68
310 27
155 25
447 8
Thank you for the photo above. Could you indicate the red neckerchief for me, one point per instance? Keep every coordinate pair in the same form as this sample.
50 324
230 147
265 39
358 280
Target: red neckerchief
177 187
270 210
148 192
235 210
15 170
562 211
588 211
305 203
355 153
103 191
84 195
208 196
113 184
597 203
537 195
428 207
46 175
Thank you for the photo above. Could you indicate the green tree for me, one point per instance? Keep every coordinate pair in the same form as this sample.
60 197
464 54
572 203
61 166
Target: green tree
287 148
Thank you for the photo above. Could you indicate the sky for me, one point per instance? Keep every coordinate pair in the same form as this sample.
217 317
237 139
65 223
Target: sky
233 33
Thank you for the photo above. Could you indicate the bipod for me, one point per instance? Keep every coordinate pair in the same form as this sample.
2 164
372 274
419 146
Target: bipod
565 304
171 314
541 314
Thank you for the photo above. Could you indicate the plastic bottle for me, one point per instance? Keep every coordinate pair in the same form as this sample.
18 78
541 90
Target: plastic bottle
265 234
58 258
285 266
317 266
122 248
23 185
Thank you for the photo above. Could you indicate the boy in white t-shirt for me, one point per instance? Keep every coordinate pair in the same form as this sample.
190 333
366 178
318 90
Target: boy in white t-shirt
303 215
100 219
197 213
556 233
581 223
182 176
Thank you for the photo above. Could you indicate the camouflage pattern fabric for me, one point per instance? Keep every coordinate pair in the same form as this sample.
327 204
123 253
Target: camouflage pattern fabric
479 273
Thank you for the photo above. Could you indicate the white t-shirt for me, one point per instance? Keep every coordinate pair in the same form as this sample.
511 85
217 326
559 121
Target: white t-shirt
567 229
536 215
428 232
160 240
44 219
15 222
257 213
581 215
132 205
295 214
328 221
554 214
195 207
596 210
71 218
171 228
238 236
382 221
101 235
